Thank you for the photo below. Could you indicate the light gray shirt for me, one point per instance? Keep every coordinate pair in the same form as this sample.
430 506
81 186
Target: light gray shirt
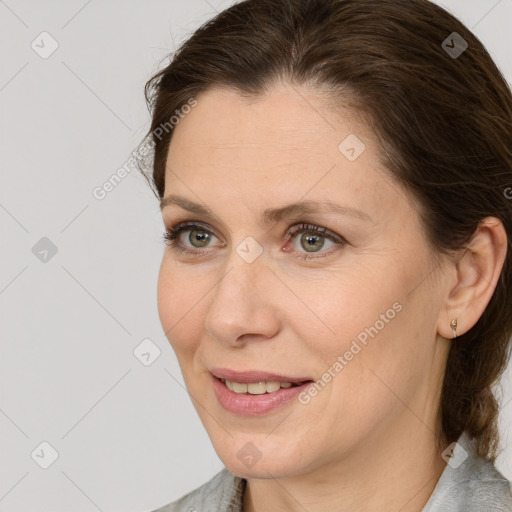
468 484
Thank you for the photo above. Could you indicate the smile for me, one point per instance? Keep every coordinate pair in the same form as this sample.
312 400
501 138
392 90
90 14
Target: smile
257 388
255 398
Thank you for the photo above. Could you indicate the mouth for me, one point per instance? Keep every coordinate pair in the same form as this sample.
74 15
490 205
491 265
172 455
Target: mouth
256 393
255 382
259 388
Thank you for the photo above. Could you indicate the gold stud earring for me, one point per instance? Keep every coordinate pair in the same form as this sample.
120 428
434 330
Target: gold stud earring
454 327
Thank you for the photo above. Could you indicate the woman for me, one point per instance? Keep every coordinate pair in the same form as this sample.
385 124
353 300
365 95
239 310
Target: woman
335 178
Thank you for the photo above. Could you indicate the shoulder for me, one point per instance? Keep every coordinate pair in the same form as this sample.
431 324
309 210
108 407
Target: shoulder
222 493
470 484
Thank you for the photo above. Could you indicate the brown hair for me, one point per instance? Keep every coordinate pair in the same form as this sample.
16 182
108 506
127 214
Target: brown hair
444 122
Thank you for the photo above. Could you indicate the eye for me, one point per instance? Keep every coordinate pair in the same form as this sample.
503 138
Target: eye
313 238
200 235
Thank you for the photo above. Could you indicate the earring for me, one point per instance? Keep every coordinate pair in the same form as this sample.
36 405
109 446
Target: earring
454 327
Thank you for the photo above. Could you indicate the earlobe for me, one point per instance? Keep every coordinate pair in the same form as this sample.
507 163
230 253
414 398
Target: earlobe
478 271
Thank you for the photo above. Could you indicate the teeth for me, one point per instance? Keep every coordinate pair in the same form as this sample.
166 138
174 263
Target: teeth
269 387
256 388
239 388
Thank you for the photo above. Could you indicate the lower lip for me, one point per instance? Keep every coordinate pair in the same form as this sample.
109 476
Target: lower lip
253 405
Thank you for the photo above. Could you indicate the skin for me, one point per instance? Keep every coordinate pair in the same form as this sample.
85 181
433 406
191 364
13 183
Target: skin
367 441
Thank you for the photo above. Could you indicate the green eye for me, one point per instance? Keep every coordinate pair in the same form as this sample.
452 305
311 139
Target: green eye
312 239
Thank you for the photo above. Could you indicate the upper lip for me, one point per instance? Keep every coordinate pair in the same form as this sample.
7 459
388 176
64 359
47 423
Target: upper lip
249 376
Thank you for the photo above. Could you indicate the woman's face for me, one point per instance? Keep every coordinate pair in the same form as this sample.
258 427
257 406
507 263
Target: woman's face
358 317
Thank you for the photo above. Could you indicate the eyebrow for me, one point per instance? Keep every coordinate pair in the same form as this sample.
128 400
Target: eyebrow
271 214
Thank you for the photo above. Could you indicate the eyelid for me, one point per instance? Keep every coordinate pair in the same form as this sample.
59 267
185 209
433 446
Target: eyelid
314 228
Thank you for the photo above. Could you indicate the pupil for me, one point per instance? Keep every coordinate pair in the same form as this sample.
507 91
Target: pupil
311 240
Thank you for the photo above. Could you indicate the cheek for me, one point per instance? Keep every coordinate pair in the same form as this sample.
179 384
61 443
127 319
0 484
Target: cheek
383 357
179 308
364 323
342 307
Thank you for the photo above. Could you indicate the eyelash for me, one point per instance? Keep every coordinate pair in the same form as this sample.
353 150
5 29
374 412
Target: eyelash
172 233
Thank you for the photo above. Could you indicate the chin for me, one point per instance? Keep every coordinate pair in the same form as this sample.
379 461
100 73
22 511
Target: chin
251 456
261 470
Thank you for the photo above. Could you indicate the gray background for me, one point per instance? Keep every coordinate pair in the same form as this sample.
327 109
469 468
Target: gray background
126 434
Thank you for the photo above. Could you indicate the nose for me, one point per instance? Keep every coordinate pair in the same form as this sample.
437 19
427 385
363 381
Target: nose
243 305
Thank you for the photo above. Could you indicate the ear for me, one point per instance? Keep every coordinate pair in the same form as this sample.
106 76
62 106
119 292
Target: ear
477 272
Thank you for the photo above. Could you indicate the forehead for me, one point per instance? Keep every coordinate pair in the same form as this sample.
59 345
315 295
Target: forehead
282 145
286 121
